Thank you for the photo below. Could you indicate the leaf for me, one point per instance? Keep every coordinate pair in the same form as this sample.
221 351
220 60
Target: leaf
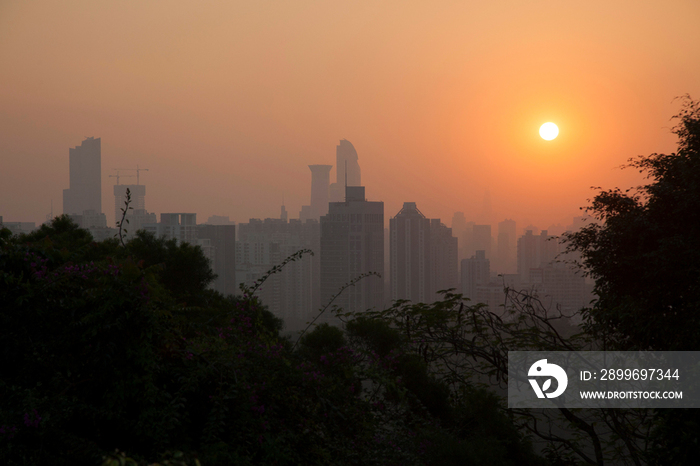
546 385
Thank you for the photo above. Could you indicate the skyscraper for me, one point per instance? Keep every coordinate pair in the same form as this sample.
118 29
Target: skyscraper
85 168
352 243
409 231
459 224
223 240
423 256
293 293
320 179
475 272
345 164
443 258
507 248
534 252
179 226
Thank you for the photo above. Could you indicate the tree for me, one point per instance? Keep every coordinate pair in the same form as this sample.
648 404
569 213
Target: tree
466 346
645 253
99 353
183 268
645 258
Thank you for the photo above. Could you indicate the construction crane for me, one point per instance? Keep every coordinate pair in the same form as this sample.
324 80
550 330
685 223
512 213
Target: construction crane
137 170
117 176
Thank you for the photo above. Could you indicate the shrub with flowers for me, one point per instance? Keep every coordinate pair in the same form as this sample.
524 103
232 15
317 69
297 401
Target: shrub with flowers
121 347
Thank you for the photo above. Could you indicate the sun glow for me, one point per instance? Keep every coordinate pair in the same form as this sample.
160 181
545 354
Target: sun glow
549 131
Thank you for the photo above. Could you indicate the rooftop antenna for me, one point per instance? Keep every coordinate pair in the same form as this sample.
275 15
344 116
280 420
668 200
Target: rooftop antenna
346 181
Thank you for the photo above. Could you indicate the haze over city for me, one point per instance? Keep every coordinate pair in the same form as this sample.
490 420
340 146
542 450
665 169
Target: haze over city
370 232
227 103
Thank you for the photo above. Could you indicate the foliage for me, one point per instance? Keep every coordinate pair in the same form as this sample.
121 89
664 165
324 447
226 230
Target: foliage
465 348
645 253
121 223
183 269
463 426
110 346
645 257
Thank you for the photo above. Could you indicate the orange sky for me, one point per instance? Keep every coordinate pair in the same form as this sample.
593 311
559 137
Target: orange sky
227 102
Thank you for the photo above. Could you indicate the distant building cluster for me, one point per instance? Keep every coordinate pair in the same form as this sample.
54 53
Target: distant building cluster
417 256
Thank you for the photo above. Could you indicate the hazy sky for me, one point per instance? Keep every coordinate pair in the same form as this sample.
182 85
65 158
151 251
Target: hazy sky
227 102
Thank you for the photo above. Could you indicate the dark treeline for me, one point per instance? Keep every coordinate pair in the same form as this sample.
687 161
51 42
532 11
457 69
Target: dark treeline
107 347
110 346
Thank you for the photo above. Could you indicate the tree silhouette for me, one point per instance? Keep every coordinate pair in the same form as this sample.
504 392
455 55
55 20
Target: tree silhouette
645 252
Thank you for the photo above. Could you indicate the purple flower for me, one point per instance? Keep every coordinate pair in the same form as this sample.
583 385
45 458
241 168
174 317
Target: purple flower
32 420
10 431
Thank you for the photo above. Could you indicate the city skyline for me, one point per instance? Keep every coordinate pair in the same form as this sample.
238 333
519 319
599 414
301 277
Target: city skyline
228 105
367 232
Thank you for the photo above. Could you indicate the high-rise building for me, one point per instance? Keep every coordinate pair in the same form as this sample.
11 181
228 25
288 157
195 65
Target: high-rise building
222 239
18 227
466 241
410 249
320 180
534 252
352 243
507 247
219 220
423 256
475 272
305 213
292 294
560 285
459 224
178 226
85 167
347 170
387 267
443 258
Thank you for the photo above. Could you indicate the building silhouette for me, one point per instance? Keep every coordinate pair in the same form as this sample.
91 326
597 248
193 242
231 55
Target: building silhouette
534 252
85 168
182 227
443 258
18 227
347 170
465 234
559 284
219 220
476 271
222 238
293 294
459 226
409 244
352 243
320 182
507 247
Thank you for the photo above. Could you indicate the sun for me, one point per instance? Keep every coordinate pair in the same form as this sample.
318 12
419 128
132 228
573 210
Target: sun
549 131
